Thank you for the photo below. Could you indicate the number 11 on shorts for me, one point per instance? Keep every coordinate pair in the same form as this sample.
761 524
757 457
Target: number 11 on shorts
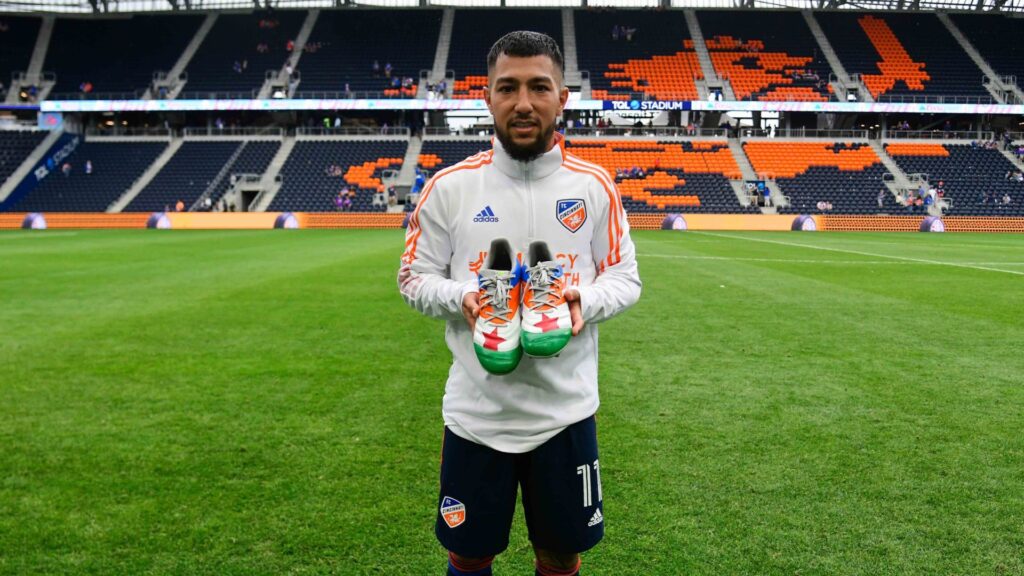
588 492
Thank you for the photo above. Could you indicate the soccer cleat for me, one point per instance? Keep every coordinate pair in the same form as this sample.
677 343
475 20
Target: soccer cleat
546 327
496 335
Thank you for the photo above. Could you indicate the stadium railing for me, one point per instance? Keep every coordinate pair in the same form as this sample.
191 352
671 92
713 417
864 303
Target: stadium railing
653 131
232 95
133 95
932 99
115 130
938 135
233 131
353 131
803 133
350 95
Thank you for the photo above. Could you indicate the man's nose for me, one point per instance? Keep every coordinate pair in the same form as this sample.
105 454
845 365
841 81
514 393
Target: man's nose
523 103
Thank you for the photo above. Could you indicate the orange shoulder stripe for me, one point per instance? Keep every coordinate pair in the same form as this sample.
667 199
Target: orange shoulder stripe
413 233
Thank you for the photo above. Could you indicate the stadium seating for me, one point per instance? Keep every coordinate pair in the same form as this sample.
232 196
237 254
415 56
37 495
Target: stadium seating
769 55
15 146
473 33
344 43
117 57
16 44
253 159
235 38
973 177
185 177
659 61
116 165
436 155
307 186
849 176
991 35
678 176
903 55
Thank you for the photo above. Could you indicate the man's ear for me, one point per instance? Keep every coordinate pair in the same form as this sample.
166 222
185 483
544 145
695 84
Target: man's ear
563 97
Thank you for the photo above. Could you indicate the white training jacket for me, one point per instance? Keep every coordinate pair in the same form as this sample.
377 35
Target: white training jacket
572 205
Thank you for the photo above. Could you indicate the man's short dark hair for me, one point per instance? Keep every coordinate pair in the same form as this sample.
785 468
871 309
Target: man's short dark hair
524 44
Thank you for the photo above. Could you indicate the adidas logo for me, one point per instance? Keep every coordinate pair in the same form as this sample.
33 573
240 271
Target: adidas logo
596 519
485 215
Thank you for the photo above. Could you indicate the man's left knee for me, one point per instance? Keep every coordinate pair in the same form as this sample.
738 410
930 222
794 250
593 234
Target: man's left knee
556 563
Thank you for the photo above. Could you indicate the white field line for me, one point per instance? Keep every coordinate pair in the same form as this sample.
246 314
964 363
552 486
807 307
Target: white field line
22 235
807 261
858 252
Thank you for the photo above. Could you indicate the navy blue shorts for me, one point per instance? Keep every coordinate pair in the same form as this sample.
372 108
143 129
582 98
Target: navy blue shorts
561 483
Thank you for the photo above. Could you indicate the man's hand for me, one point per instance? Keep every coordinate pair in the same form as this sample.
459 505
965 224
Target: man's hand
572 296
471 308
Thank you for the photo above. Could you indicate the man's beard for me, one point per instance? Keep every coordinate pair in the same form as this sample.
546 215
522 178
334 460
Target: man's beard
530 151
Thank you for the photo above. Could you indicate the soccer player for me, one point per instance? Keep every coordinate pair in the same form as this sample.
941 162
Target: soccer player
533 428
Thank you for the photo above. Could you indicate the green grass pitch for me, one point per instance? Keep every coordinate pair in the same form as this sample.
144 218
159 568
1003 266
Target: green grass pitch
264 403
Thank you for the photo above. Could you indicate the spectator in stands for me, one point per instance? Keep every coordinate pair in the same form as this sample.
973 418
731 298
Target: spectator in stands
237 67
88 166
387 70
290 45
881 198
1006 198
615 32
66 169
85 87
219 122
346 203
421 180
629 33
179 206
337 121
376 69
392 196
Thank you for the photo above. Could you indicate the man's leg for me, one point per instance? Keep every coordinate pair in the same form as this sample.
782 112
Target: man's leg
562 499
462 566
556 564
475 506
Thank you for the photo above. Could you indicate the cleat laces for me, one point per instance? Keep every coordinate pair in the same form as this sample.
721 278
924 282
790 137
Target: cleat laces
496 293
542 281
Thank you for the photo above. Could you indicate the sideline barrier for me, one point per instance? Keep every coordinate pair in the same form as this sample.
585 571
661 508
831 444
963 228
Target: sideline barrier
266 221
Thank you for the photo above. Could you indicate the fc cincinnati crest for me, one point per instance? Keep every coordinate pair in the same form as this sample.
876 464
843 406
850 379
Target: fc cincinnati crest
453 511
571 213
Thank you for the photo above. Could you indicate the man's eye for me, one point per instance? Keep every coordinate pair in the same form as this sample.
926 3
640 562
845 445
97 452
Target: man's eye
541 88
505 89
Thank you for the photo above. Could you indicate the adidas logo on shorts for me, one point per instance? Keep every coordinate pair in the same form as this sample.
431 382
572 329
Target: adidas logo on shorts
596 519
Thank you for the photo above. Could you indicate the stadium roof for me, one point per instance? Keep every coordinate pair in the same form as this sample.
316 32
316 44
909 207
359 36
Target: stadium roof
130 6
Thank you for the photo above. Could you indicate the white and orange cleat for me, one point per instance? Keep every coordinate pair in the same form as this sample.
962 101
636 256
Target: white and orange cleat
546 326
496 335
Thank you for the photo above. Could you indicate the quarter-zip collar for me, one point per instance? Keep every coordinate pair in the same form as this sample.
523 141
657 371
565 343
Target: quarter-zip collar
540 167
